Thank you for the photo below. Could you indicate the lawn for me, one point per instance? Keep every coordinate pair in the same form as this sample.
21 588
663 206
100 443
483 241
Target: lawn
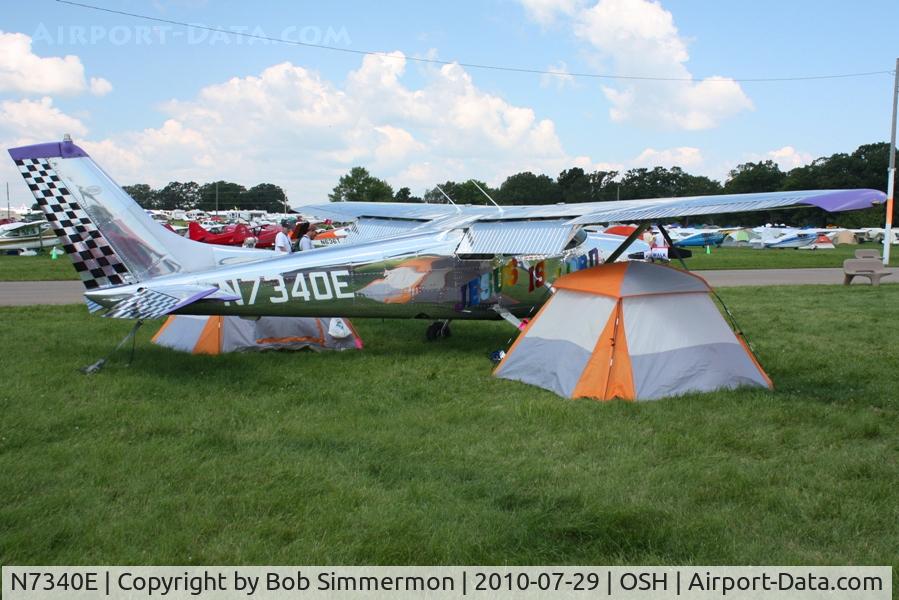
409 452
774 258
36 268
41 268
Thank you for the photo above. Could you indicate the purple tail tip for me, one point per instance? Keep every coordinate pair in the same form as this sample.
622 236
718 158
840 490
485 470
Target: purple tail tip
63 149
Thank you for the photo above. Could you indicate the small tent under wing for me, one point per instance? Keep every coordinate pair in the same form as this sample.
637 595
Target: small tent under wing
634 331
216 334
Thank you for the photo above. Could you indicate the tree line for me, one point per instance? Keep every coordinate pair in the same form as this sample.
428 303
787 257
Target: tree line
220 195
866 167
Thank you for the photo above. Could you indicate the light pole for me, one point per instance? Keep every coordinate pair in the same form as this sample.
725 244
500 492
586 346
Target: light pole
891 175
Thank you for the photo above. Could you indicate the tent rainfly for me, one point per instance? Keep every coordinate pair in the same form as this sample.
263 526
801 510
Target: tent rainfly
216 335
631 330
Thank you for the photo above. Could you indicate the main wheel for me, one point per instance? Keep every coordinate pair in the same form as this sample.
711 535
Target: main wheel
437 330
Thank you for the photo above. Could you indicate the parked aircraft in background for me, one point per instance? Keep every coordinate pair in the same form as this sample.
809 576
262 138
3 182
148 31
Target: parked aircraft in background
26 235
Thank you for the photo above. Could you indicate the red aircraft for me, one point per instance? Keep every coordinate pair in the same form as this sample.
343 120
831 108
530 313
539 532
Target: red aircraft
231 235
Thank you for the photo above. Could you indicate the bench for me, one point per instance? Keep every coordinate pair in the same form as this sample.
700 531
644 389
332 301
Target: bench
867 254
871 268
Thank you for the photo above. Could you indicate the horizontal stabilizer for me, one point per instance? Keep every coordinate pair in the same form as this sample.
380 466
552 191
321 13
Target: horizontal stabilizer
158 301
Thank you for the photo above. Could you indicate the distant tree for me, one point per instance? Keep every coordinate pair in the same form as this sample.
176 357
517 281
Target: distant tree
762 176
143 194
229 195
378 191
696 185
177 195
660 182
603 185
465 192
527 188
402 195
359 185
575 185
264 196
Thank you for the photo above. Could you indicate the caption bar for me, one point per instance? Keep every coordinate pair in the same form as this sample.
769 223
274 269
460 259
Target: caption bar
286 583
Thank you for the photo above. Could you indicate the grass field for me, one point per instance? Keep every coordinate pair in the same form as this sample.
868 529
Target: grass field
41 268
788 258
36 268
409 452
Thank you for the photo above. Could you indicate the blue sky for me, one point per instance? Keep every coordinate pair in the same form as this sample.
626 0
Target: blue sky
157 105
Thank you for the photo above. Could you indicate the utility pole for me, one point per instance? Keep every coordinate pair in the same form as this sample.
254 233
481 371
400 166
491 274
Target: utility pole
891 175
216 198
8 212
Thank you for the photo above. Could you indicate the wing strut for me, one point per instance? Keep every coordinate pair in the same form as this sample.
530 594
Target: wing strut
671 246
627 242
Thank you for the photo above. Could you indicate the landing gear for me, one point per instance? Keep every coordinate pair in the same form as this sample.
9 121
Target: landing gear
437 330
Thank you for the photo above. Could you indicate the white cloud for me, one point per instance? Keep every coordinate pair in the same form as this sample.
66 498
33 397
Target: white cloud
290 126
610 166
24 72
682 156
545 12
789 158
560 76
639 38
28 121
100 86
25 122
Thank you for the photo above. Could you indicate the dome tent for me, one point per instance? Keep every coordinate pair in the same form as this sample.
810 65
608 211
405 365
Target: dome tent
216 335
635 331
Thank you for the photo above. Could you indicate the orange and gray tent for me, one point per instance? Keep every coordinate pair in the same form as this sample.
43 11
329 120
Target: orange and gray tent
631 330
216 335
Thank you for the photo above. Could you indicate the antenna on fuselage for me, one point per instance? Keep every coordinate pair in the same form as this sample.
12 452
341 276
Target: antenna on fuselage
448 198
488 195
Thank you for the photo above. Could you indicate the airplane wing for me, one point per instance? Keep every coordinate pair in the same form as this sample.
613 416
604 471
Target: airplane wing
151 302
547 229
20 224
605 212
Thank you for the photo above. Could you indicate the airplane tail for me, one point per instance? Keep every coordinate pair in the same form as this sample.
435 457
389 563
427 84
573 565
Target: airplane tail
109 237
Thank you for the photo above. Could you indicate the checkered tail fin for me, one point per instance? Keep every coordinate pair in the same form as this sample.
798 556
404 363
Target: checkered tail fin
109 237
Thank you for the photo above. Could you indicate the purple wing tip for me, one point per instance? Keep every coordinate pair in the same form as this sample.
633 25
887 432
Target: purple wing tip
64 149
839 200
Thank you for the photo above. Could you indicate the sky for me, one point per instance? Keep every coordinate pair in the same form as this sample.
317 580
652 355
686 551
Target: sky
155 102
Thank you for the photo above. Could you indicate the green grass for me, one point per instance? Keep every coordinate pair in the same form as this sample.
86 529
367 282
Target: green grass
774 258
36 268
410 452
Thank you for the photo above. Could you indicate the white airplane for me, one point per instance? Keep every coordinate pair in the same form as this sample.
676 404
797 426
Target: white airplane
430 261
26 235
784 237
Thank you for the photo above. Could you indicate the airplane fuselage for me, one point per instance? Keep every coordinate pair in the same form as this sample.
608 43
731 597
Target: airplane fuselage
413 276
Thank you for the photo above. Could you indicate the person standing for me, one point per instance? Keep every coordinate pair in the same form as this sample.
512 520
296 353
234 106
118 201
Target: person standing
299 230
306 240
282 241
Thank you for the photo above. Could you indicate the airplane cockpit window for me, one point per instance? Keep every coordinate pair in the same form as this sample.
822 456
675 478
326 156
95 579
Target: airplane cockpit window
579 237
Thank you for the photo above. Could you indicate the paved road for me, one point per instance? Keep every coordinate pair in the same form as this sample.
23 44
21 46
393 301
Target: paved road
744 277
23 293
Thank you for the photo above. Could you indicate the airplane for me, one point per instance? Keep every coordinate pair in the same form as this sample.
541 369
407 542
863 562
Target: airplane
430 261
786 237
699 237
235 235
26 235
